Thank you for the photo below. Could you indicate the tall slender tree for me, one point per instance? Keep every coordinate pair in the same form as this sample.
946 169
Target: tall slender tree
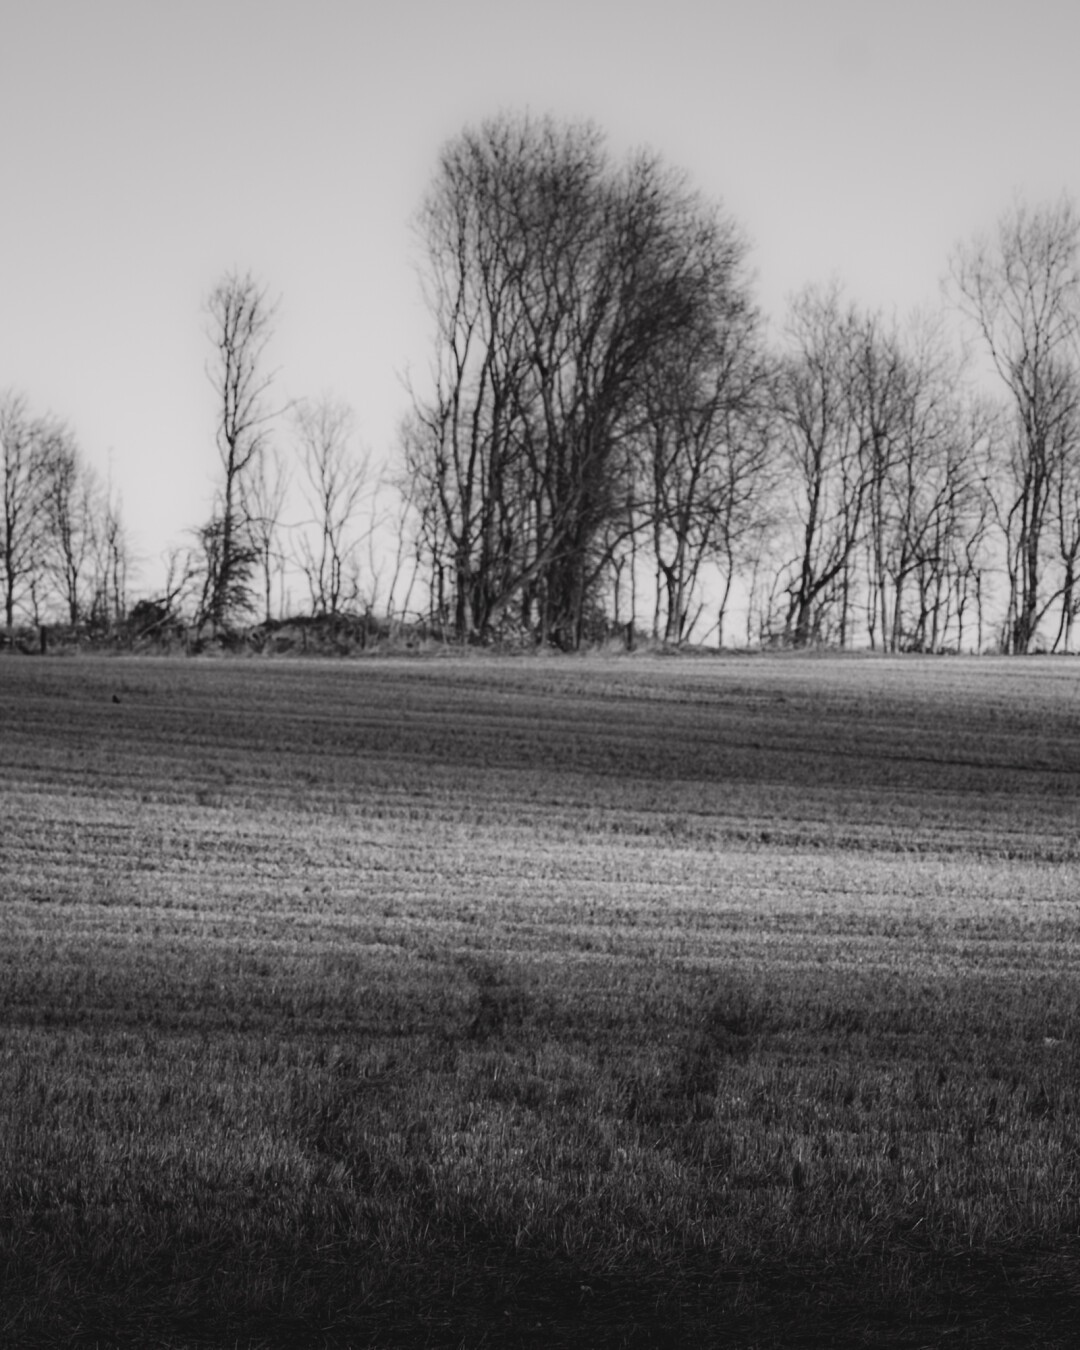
703 441
265 490
335 480
74 510
1021 291
24 459
826 451
241 324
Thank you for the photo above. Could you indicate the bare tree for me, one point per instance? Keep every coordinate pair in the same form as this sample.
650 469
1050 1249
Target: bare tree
554 279
483 231
882 384
1066 511
110 565
941 520
424 515
335 481
1022 293
241 318
972 558
826 455
702 412
23 475
73 510
925 465
265 489
407 526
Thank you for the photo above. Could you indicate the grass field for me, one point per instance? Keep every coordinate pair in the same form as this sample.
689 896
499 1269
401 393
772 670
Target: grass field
584 1002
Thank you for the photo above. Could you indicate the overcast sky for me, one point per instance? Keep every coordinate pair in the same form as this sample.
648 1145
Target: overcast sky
148 148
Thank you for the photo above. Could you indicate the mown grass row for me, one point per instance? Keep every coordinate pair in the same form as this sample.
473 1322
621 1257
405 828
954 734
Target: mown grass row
365 1059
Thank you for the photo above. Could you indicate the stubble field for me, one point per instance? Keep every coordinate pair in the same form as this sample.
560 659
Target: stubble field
598 1002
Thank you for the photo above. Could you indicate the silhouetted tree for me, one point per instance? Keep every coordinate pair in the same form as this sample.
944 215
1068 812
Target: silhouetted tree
241 324
826 454
24 457
335 482
1022 292
111 564
74 513
265 490
704 443
554 280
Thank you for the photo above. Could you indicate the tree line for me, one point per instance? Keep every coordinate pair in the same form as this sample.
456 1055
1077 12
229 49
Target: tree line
62 542
66 553
611 441
608 422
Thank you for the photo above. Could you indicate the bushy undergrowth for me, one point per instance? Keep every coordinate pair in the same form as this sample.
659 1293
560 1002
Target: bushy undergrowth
364 1058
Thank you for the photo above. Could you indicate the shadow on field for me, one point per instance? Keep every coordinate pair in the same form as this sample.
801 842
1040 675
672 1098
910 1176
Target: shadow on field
489 1296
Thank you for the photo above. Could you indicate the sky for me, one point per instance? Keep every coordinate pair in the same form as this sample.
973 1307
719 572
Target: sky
148 149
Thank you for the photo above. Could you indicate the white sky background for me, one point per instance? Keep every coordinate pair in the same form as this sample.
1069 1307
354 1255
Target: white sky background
148 148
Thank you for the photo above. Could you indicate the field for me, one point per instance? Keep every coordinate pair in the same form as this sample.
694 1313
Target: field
555 1002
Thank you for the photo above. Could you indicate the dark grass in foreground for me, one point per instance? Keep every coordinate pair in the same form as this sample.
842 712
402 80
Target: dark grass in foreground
553 1003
